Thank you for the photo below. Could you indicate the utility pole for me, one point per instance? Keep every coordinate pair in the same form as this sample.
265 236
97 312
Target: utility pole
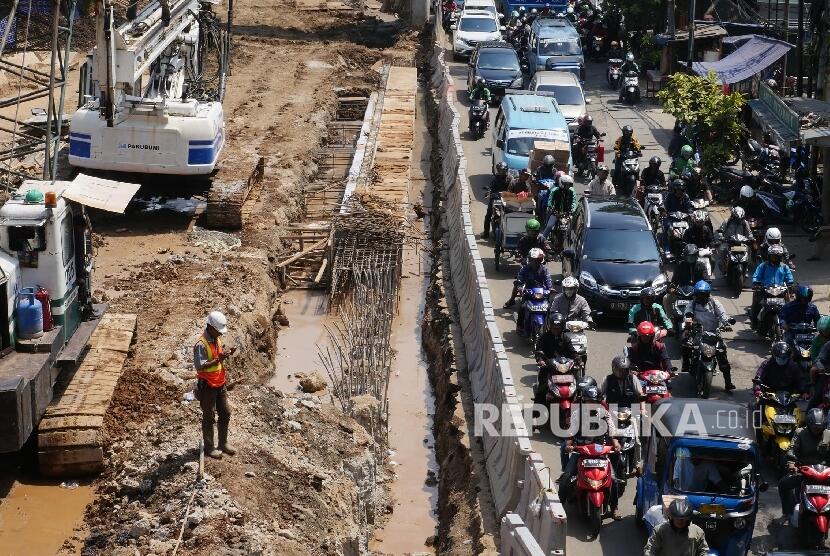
786 38
799 52
692 10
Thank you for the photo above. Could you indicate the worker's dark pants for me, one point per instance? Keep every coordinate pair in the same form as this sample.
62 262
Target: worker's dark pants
214 400
789 488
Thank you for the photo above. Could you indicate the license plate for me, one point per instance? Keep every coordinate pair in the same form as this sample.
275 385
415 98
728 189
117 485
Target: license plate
711 525
784 419
775 301
803 337
539 307
817 489
657 389
594 463
559 379
712 509
619 306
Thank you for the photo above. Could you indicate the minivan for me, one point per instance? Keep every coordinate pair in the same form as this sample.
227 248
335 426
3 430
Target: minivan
567 90
473 27
522 119
555 45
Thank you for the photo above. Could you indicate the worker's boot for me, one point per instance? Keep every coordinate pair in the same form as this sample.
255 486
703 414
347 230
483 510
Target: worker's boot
223 440
207 438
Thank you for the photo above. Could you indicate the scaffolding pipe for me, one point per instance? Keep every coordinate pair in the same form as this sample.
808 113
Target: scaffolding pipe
50 107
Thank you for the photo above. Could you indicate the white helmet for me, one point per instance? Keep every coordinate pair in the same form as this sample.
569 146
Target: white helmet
218 322
629 57
773 234
570 9
569 286
747 191
536 253
738 213
566 180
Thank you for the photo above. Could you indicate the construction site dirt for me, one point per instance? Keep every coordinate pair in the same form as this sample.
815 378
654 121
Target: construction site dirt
291 488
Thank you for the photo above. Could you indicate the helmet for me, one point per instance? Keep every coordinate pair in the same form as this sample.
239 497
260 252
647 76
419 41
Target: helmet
514 13
547 160
629 57
773 234
479 80
620 363
691 252
585 382
655 161
678 184
532 225
570 285
602 168
591 394
647 292
680 509
804 292
645 330
775 251
558 174
698 217
570 9
501 168
533 11
824 324
781 351
521 9
738 213
686 151
747 192
566 180
536 254
587 119
615 44
815 418
556 319
627 131
218 321
703 286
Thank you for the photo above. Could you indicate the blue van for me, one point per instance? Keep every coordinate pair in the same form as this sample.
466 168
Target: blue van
555 45
523 118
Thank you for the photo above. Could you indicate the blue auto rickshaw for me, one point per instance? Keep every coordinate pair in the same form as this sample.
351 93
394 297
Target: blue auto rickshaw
703 450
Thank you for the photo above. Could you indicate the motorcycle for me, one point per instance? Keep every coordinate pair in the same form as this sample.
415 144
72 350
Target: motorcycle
449 18
535 307
702 347
561 389
727 181
593 483
768 322
589 156
736 262
627 437
655 384
812 514
612 73
678 224
683 296
705 259
779 417
631 87
563 224
479 118
654 205
628 180
575 333
801 338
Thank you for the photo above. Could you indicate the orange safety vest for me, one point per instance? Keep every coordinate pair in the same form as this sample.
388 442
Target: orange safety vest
214 374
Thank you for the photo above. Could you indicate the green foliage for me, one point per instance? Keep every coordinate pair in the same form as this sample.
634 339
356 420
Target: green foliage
700 102
649 54
639 14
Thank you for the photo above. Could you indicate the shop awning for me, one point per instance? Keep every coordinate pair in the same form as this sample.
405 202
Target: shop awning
753 56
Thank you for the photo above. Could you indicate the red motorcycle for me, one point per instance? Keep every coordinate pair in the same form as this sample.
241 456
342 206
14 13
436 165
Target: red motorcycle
561 389
655 384
814 509
593 483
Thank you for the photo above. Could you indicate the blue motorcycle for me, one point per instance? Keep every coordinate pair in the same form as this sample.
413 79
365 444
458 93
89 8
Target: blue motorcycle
535 308
797 204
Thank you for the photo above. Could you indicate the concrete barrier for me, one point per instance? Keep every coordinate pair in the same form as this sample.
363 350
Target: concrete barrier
533 519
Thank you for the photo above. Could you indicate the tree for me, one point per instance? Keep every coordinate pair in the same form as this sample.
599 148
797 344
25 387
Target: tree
639 14
715 117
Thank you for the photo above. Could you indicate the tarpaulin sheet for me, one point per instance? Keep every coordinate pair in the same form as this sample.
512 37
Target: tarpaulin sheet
753 56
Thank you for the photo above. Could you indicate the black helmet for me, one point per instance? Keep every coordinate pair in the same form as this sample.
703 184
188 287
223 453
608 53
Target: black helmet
781 351
680 509
815 418
677 183
691 250
548 160
588 119
620 363
627 131
655 161
647 292
586 382
591 394
556 319
501 168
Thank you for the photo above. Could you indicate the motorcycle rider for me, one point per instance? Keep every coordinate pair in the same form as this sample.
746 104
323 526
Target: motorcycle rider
497 185
615 52
624 143
628 66
734 226
700 235
546 170
585 132
772 272
522 183
676 201
752 205
821 338
533 274
561 201
801 309
820 354
622 388
683 164
806 448
552 344
678 536
591 402
570 303
686 273
779 372
677 140
531 238
652 174
709 312
648 310
600 185
648 353
773 237
479 92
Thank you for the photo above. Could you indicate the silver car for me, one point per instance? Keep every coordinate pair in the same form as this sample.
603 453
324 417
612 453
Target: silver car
567 90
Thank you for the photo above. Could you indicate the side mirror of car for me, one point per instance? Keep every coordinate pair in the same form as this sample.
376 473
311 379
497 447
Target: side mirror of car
500 143
569 254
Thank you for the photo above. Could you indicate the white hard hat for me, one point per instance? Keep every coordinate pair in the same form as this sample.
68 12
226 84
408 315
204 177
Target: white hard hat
747 191
773 234
218 321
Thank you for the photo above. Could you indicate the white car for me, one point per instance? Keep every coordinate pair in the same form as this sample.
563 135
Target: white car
473 27
484 5
567 91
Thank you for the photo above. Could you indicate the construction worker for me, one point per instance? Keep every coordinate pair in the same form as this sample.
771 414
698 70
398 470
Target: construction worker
208 359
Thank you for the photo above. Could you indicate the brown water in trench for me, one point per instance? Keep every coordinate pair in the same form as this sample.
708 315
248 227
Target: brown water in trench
37 516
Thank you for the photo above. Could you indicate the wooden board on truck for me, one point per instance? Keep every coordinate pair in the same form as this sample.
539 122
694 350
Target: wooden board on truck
560 150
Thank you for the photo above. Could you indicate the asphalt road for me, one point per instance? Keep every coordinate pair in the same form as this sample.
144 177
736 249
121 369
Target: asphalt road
653 128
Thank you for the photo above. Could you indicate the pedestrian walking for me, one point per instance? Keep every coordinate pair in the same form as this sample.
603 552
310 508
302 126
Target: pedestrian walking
209 358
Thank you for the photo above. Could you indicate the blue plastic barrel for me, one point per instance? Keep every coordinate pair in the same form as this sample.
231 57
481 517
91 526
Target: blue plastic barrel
29 315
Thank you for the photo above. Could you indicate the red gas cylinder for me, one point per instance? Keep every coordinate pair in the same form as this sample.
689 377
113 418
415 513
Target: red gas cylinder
43 296
600 152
